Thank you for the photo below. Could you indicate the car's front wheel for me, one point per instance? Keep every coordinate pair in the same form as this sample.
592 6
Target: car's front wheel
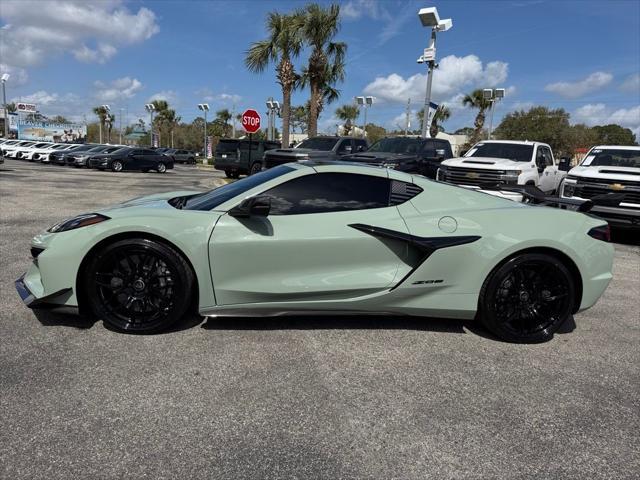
138 285
116 166
256 167
527 299
161 168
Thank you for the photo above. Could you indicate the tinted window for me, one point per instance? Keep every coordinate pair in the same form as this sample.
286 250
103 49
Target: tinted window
516 152
543 157
319 143
149 152
217 196
446 146
227 145
612 158
361 145
329 192
397 145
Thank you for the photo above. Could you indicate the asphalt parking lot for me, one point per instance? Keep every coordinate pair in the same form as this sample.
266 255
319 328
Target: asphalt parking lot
300 397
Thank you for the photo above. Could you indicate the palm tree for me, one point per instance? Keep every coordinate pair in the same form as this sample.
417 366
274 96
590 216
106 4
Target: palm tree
223 116
348 114
318 26
282 46
476 100
441 115
102 113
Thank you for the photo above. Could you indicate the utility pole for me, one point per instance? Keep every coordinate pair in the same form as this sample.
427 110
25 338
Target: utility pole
150 107
5 77
408 114
205 108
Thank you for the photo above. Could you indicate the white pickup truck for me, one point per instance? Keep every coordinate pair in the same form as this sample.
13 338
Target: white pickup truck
608 169
494 163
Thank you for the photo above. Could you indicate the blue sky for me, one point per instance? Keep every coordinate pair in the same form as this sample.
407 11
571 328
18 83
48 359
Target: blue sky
69 56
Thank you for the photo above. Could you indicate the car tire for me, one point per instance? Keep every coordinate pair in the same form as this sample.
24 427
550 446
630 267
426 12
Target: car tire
138 285
256 167
116 166
161 168
527 298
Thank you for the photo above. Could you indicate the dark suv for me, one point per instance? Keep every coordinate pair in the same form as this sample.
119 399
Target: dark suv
406 154
126 158
234 157
316 148
180 156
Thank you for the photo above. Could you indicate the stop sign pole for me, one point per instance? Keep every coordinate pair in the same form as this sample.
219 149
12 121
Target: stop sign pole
251 124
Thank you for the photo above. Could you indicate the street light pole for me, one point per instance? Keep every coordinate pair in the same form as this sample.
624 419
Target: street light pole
430 18
493 95
5 77
120 126
205 108
150 107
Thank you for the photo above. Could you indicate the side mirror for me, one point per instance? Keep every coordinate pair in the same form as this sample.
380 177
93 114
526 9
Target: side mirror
254 206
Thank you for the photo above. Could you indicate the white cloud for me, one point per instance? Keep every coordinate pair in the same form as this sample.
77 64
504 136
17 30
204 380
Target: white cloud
226 98
118 89
600 114
167 95
356 9
453 75
40 98
593 82
18 76
631 84
35 31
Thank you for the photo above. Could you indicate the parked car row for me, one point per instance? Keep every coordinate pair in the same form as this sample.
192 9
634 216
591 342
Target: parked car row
102 157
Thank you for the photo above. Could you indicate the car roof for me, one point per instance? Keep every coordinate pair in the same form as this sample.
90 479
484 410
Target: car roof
617 147
517 142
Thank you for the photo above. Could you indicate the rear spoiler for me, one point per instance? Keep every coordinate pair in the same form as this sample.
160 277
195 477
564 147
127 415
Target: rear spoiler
532 194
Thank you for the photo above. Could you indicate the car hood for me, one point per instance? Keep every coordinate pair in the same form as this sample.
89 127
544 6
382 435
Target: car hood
379 157
607 173
484 162
155 201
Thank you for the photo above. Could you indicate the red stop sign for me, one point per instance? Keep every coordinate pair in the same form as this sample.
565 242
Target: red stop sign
251 121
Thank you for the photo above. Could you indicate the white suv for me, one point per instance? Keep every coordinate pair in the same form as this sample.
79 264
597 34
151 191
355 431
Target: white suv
608 169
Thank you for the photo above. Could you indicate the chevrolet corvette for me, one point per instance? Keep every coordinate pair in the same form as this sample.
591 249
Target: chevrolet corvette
324 237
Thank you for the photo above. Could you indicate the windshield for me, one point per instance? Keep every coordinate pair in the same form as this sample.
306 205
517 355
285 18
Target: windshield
324 144
512 151
217 196
397 145
612 158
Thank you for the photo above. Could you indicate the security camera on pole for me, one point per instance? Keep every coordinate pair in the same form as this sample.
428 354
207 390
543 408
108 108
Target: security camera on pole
205 108
430 18
365 102
493 95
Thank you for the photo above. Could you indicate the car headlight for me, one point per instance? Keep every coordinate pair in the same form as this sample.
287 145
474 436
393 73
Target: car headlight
514 173
83 220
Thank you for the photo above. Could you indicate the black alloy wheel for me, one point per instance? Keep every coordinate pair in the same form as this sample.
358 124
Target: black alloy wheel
256 167
116 166
527 299
138 285
161 168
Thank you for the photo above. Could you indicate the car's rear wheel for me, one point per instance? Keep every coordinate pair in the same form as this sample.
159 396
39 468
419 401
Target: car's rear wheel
256 167
161 168
527 299
191 161
138 285
116 166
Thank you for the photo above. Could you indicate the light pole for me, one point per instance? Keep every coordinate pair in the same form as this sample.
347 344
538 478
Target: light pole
430 18
150 107
205 108
365 102
121 125
273 108
493 95
106 109
5 77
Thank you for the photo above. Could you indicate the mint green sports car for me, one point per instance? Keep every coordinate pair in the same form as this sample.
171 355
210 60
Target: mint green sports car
315 237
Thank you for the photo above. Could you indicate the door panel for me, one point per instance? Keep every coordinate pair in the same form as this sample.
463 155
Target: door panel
305 257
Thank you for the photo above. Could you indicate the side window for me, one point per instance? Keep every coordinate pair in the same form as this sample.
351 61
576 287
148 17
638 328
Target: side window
443 147
329 192
543 157
361 145
344 146
547 152
136 152
150 152
428 149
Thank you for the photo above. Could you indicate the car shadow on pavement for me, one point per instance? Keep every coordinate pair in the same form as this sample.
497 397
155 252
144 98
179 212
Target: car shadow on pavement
339 322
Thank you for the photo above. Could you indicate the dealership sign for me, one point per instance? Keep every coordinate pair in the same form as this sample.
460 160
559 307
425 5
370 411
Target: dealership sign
26 107
52 132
